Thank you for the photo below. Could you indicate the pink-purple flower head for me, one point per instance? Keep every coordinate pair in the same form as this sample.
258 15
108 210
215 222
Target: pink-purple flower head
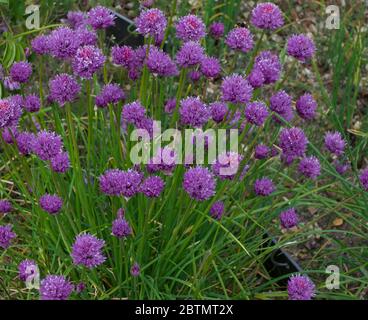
122 56
217 30
25 142
190 28
236 89
87 251
87 61
363 178
60 163
256 113
270 66
100 18
120 227
264 187
227 165
6 236
115 182
40 44
334 143
159 63
289 218
151 22
10 112
193 112
76 19
164 160
280 103
32 103
301 47
133 113
261 151
170 105
55 287
63 88
310 167
293 143
190 54
21 71
194 76
210 67
306 107
86 37
135 270
256 77
240 39
218 111
63 43
51 203
110 94
10 84
47 145
27 270
5 206
217 210
199 183
300 288
268 16
341 166
9 134
152 186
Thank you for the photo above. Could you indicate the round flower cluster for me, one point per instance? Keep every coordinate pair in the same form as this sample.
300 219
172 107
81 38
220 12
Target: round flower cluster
293 143
289 218
256 113
301 47
151 22
21 71
306 107
240 39
300 288
267 16
193 112
152 186
110 94
100 18
217 210
5 206
199 183
264 187
55 287
310 167
51 203
27 270
190 28
218 111
87 61
63 89
6 236
190 54
236 89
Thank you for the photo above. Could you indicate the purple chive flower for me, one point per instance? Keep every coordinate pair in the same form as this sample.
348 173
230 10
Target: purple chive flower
63 43
87 61
236 89
164 160
264 187
117 182
63 88
217 210
152 186
256 113
280 103
86 37
363 178
240 39
120 226
218 111
267 16
25 142
190 28
256 77
100 18
10 112
32 103
289 218
6 236
51 203
193 112
122 56
133 113
310 167
60 163
341 167
5 206
300 288
301 47
293 143
76 19
27 270
55 287
170 105
306 107
10 84
9 134
159 63
194 75
210 67
226 165
110 93
135 270
217 30
40 44
151 22
199 183
87 251
190 54
270 66
21 71
47 145
335 143
261 151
